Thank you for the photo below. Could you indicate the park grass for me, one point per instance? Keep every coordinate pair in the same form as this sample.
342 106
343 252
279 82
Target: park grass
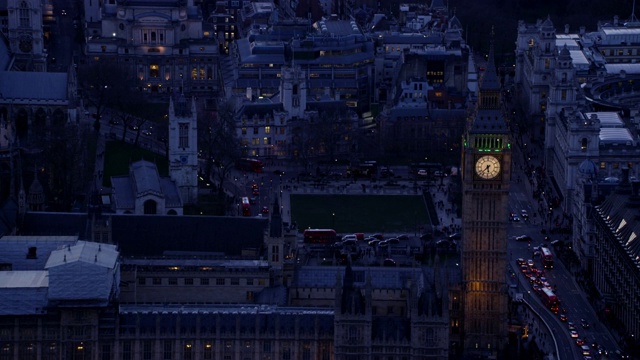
119 155
359 213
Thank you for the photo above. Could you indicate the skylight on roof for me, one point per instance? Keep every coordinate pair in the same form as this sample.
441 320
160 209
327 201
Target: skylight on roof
632 237
622 224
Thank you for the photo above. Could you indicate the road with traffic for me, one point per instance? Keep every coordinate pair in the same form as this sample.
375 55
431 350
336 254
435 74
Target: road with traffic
574 304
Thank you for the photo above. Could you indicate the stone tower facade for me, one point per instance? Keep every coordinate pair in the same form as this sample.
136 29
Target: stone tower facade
293 87
562 99
353 318
25 34
486 174
569 131
183 148
535 61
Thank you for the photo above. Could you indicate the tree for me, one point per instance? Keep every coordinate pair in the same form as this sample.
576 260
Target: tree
98 82
324 136
219 143
68 166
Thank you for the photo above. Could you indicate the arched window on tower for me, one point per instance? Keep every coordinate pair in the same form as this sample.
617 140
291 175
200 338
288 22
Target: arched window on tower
25 19
583 144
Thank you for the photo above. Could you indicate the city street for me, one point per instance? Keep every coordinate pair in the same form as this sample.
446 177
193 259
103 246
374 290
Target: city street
572 297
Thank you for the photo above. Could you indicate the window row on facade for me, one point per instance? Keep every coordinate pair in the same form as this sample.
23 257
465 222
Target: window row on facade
183 349
201 281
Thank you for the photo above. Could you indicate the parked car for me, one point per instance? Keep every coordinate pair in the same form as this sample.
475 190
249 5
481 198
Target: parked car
530 263
386 172
265 210
389 262
584 323
349 242
523 238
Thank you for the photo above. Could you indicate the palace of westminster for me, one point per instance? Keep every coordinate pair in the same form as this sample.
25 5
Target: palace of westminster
124 285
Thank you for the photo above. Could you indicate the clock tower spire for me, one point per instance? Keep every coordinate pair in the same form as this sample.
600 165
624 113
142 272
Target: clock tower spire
486 174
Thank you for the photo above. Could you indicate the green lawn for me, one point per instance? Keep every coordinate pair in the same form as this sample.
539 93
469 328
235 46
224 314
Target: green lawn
119 155
359 213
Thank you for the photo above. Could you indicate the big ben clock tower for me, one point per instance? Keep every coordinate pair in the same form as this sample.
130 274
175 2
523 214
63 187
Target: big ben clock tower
486 173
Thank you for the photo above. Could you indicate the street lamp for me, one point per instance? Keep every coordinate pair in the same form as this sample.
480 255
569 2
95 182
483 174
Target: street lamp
333 220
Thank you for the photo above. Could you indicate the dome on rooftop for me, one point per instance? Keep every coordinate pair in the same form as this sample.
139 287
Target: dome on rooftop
588 169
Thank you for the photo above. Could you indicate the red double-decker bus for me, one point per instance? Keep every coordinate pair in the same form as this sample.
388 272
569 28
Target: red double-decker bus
547 258
246 206
253 165
550 300
319 236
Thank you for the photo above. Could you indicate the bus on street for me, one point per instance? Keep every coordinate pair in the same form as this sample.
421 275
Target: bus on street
252 165
246 206
550 300
547 258
319 236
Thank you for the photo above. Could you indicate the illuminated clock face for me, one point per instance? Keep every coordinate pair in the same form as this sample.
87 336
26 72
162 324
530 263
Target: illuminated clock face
488 167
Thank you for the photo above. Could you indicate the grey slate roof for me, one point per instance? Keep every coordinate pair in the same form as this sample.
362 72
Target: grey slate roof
143 179
33 85
23 292
98 254
14 249
171 192
86 271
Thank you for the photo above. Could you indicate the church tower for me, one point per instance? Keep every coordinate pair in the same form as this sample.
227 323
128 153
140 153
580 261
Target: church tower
486 174
353 316
183 148
275 242
25 34
293 90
